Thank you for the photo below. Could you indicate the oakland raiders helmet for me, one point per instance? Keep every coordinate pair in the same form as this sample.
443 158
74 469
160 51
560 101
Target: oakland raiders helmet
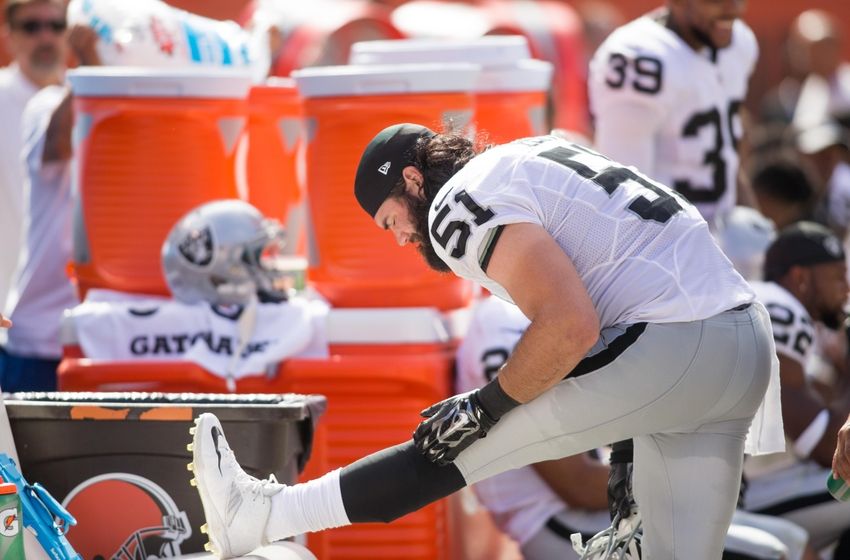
744 235
224 252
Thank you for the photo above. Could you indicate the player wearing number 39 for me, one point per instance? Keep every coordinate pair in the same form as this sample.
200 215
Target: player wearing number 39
665 91
579 243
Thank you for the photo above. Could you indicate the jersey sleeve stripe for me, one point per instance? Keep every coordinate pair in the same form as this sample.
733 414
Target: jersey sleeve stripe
488 246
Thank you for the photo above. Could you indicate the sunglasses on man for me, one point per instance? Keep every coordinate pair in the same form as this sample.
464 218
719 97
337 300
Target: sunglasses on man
35 26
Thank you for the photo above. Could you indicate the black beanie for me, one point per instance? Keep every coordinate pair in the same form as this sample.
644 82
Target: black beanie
383 161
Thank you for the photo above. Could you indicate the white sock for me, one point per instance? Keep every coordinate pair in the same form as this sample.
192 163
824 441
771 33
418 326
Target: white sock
307 508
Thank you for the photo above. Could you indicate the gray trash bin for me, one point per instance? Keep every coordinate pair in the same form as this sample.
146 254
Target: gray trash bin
117 461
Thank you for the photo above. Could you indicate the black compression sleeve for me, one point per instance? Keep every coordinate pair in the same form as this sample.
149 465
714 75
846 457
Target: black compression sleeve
394 482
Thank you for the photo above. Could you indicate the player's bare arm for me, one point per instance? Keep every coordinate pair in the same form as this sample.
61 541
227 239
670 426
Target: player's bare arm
745 192
82 40
801 405
57 140
841 458
544 284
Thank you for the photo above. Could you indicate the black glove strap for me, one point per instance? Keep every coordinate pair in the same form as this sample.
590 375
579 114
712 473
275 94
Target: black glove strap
494 401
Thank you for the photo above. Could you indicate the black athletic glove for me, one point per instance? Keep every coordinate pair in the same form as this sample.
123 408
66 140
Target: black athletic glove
452 425
620 498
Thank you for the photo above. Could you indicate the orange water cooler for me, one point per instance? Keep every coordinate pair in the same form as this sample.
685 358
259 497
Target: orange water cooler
150 145
352 262
510 92
267 167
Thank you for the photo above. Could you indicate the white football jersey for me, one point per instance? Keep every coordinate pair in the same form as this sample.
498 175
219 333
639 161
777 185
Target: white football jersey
793 330
111 326
672 111
642 251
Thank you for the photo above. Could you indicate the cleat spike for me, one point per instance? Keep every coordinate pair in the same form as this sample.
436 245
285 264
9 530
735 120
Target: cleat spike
190 467
208 547
193 482
204 529
189 447
192 430
198 419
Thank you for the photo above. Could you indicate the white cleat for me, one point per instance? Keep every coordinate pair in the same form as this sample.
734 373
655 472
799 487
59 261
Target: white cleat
236 505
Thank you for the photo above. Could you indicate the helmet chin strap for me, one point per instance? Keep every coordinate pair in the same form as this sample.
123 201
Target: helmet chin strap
245 326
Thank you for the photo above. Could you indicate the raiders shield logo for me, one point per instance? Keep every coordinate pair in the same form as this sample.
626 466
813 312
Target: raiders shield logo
196 247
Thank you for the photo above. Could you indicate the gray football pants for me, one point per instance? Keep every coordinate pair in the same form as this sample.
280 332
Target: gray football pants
686 393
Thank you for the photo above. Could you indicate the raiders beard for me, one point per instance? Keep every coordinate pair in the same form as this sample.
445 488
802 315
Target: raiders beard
419 209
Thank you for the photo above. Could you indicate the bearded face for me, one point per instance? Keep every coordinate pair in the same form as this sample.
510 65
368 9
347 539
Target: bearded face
419 208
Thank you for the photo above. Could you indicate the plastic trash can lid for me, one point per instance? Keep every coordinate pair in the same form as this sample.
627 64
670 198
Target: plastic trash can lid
493 50
332 81
234 407
126 81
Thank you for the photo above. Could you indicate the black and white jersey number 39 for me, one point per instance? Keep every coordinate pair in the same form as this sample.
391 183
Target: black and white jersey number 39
645 74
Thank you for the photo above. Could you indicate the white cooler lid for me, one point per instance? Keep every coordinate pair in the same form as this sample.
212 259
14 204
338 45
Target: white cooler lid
525 75
332 81
493 50
131 81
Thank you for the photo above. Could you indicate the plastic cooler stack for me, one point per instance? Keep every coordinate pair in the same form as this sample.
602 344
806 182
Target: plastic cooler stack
352 262
511 89
150 144
392 349
153 144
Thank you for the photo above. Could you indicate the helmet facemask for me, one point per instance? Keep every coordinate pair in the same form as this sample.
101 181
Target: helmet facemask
266 262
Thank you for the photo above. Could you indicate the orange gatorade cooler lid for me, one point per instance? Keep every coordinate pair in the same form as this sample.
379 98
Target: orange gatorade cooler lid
8 488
